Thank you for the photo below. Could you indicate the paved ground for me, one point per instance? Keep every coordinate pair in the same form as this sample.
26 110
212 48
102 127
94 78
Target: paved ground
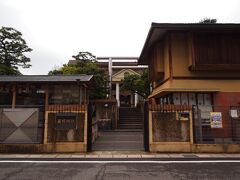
122 155
128 140
117 165
120 171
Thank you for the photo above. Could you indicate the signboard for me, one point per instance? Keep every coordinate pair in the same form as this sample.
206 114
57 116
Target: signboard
235 113
216 119
65 121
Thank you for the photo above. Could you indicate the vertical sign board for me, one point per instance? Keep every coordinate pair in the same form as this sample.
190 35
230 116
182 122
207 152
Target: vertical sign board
216 119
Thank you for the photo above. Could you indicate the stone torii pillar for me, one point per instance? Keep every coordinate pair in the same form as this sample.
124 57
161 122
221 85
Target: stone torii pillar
117 94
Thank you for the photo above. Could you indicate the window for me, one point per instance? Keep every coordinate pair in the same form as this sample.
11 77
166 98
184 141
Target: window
29 95
186 99
211 49
60 94
5 95
126 74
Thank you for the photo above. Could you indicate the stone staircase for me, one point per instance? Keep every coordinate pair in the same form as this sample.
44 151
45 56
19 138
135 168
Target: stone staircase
128 136
130 118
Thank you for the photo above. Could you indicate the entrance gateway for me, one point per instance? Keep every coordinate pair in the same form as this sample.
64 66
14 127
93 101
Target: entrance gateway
128 136
123 129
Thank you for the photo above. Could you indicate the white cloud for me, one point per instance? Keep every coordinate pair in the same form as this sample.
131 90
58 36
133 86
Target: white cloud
58 29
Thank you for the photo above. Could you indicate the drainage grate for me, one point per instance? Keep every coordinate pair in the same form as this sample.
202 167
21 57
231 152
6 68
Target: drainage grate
190 156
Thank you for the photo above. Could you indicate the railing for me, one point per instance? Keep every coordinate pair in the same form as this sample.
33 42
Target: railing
74 107
169 107
216 124
210 124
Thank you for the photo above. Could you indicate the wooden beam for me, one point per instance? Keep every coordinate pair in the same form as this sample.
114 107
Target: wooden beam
150 129
14 93
46 95
170 56
45 135
85 95
191 127
216 67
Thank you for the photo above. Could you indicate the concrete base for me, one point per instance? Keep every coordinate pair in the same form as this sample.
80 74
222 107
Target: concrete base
43 148
171 147
176 147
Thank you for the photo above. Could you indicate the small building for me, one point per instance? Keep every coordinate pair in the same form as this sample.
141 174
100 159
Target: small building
44 113
195 86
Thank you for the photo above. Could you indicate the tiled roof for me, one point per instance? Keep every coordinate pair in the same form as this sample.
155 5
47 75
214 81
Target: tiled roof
159 30
45 78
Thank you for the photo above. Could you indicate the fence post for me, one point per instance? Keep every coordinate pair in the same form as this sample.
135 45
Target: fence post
191 124
89 128
146 127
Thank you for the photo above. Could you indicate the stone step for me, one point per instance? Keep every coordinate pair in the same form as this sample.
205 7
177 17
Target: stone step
130 117
129 112
130 120
133 131
120 146
130 123
120 132
120 139
131 127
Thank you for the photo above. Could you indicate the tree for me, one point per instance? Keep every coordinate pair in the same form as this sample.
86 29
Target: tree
137 84
65 69
84 57
208 21
86 64
12 49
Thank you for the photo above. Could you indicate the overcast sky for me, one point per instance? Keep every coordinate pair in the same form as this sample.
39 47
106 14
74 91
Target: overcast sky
58 29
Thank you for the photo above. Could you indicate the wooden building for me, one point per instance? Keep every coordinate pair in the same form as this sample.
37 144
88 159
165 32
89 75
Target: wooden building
194 68
40 113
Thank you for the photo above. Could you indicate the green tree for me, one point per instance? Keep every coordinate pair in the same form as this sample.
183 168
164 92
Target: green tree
137 84
12 49
86 64
83 58
65 69
208 21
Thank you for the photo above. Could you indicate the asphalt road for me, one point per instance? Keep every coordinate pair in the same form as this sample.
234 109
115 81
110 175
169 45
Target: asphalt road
117 171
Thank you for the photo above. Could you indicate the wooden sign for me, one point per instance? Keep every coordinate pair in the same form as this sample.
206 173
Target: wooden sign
65 121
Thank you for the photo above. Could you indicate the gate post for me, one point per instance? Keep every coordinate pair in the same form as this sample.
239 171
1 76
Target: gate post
89 127
146 127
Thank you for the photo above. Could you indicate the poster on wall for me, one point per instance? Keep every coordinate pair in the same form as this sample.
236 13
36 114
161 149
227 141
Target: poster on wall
235 113
216 119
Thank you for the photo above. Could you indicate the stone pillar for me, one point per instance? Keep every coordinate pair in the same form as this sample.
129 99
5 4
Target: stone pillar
80 95
136 100
117 94
132 96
